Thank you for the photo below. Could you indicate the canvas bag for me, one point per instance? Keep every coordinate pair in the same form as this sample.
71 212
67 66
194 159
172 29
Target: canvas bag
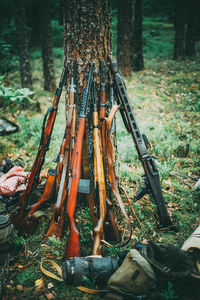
135 276
192 245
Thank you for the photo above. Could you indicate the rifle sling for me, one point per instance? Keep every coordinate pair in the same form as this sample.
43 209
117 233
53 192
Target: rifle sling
111 172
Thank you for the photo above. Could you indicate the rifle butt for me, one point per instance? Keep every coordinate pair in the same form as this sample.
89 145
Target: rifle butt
97 244
55 228
17 217
110 227
73 245
28 226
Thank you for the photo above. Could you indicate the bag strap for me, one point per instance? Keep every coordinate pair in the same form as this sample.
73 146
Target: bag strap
90 291
49 273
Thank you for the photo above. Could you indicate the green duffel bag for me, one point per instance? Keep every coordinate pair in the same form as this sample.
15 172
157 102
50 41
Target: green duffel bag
135 276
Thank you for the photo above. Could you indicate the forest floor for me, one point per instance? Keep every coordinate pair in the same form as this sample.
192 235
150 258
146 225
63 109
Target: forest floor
165 98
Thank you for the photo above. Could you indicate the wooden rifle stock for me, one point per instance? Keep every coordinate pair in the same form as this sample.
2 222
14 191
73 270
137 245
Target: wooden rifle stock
48 124
110 227
30 222
73 243
57 222
99 180
111 230
111 172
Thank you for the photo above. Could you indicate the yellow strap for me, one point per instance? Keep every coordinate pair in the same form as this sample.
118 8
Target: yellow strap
59 270
50 274
38 214
90 291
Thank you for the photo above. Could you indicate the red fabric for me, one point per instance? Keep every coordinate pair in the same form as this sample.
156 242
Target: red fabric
13 181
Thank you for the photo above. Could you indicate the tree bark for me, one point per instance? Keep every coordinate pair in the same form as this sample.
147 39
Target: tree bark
190 42
137 44
179 26
124 31
23 45
87 35
87 38
33 21
46 43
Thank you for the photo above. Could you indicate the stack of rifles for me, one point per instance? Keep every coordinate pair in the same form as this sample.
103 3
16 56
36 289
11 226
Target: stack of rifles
65 182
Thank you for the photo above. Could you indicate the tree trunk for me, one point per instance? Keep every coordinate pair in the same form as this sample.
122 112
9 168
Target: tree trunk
33 21
137 44
190 43
22 39
124 30
87 35
46 42
87 38
179 26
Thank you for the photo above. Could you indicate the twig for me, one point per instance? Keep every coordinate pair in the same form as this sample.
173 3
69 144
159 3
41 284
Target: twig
131 207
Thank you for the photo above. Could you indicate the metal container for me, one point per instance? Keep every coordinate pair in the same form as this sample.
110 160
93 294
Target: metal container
6 229
98 269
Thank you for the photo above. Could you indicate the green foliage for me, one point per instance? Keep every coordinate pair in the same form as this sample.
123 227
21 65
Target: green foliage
8 61
26 278
57 34
12 99
157 38
30 132
54 241
163 9
58 53
114 32
8 48
85 227
169 294
18 240
36 53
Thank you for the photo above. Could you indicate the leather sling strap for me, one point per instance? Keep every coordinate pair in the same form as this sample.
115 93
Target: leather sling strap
49 273
111 172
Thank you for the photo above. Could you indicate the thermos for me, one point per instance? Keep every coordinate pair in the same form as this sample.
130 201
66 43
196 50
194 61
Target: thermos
6 230
95 268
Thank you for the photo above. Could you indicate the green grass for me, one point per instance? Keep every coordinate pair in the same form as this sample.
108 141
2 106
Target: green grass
165 101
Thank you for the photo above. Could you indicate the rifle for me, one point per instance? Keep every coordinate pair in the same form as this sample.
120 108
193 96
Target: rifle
73 243
110 227
111 172
47 127
152 181
30 222
72 101
102 111
99 178
57 222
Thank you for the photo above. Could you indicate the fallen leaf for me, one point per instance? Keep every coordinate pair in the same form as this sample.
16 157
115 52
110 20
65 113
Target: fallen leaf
20 266
50 296
9 286
39 284
50 285
20 287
